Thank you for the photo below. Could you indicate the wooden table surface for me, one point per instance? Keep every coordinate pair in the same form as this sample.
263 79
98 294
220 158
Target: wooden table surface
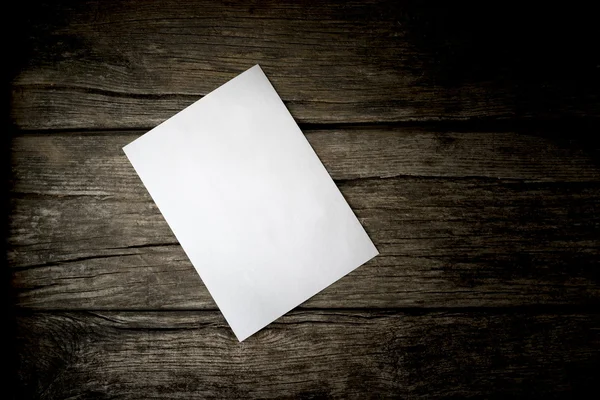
462 140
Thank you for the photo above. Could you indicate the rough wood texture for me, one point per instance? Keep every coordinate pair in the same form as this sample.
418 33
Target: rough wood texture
463 139
441 243
104 64
322 354
68 164
85 233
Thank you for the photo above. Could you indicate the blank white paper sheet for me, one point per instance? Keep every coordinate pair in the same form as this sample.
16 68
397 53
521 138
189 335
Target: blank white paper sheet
253 207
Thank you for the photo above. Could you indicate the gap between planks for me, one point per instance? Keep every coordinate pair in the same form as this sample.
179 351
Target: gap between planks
531 309
581 126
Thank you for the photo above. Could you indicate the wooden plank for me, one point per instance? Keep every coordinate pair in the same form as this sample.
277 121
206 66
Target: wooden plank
94 164
101 64
442 243
307 355
84 233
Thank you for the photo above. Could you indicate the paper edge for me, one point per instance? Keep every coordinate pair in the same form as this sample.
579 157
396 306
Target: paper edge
370 255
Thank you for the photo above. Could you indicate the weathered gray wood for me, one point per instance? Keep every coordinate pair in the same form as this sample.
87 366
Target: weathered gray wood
307 355
104 64
462 219
94 164
84 233
459 243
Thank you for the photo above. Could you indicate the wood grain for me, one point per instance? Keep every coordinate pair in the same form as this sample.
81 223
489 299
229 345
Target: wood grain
462 138
442 243
93 163
316 354
85 233
123 64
